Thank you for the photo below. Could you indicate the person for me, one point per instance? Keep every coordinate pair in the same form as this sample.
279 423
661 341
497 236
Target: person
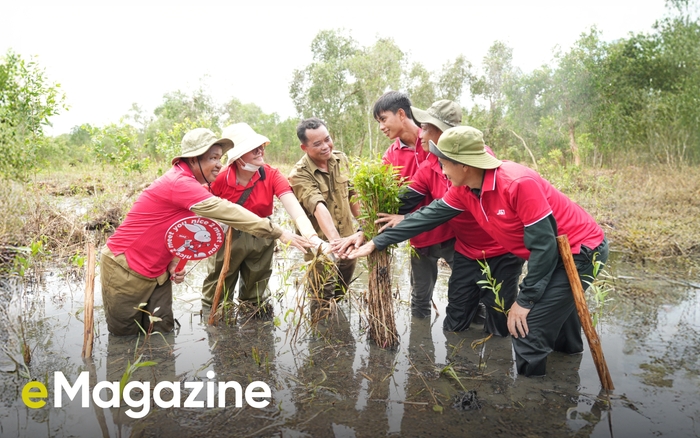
395 115
321 182
136 265
473 245
524 213
252 183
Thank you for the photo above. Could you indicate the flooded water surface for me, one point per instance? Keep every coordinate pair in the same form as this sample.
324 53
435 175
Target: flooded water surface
329 380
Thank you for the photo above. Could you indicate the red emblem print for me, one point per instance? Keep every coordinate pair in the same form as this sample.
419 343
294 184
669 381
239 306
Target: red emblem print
194 238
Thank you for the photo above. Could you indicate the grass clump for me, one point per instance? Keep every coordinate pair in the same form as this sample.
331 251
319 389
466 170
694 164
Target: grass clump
377 188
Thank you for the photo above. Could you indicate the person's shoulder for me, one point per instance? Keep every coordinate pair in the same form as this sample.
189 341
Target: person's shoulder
301 166
339 155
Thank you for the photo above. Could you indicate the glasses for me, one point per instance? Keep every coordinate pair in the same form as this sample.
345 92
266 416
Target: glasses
258 150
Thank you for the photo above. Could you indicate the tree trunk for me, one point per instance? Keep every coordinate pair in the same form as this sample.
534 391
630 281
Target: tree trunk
572 143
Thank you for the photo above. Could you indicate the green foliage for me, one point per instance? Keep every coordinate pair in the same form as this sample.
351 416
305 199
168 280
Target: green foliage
129 372
344 80
27 100
377 188
493 285
31 257
599 289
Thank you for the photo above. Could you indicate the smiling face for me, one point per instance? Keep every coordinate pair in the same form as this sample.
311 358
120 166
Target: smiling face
206 166
254 157
319 145
391 124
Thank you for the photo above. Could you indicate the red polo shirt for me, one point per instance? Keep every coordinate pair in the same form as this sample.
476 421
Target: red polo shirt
472 241
260 201
429 181
513 197
141 237
398 154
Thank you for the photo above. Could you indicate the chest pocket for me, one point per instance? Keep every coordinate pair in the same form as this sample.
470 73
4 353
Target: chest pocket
341 186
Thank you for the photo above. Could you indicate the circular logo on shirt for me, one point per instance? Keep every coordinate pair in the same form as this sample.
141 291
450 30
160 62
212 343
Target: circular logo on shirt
194 238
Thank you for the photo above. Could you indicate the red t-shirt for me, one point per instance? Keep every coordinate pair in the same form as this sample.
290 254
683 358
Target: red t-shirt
513 197
260 201
472 241
409 160
141 237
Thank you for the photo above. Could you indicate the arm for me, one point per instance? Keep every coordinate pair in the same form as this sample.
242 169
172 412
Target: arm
410 199
424 219
540 240
325 221
296 212
238 217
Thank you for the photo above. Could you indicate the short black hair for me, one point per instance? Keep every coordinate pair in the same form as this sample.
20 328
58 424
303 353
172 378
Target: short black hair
311 123
393 101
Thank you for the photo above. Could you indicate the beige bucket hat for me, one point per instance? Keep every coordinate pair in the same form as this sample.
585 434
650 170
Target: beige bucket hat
197 141
444 114
244 139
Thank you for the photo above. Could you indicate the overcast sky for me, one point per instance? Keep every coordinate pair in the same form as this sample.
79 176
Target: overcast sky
108 55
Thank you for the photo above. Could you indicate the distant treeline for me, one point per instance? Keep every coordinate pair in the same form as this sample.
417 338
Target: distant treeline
635 100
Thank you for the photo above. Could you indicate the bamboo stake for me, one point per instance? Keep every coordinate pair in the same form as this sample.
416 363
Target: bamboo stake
222 277
88 335
583 313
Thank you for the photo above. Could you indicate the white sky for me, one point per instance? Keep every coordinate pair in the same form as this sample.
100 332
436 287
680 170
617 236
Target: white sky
108 55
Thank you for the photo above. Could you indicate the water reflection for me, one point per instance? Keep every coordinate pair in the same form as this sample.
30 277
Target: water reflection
331 381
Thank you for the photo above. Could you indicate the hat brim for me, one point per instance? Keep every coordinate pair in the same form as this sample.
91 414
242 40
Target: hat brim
422 116
246 146
479 160
225 143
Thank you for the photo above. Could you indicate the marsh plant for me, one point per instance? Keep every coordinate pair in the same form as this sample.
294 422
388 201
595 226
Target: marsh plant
377 188
490 283
318 272
599 289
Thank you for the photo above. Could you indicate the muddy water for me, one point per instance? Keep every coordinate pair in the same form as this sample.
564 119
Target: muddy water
331 381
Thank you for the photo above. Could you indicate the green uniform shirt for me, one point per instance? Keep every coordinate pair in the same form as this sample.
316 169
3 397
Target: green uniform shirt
312 185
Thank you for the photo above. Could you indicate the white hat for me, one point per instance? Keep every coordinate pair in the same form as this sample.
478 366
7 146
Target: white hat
244 140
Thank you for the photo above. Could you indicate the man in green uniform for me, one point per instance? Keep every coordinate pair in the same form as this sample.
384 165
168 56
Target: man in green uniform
321 182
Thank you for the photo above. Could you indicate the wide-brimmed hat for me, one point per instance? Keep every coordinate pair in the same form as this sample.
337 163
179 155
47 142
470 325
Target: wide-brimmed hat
465 145
444 114
197 141
244 138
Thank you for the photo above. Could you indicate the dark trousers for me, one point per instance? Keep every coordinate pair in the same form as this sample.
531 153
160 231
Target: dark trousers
464 294
553 321
424 272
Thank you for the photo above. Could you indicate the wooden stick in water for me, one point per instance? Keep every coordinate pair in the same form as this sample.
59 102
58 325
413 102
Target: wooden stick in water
583 314
88 335
222 277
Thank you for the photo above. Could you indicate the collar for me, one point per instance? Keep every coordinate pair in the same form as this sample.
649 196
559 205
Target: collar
184 169
489 183
418 144
312 165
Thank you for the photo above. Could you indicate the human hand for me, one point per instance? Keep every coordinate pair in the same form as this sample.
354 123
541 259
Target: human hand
295 240
325 247
343 246
176 277
362 251
389 220
517 320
